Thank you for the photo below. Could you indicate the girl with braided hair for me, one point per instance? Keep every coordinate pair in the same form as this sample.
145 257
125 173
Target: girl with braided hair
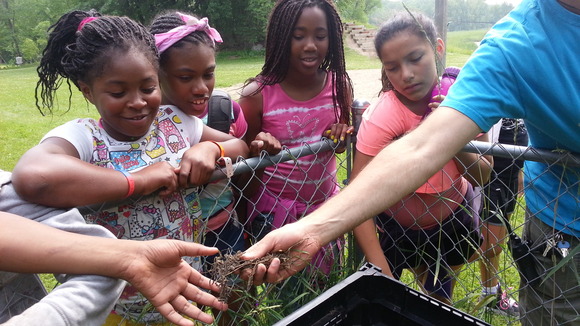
302 93
187 48
143 161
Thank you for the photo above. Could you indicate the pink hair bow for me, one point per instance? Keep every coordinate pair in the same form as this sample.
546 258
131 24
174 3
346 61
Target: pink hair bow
164 40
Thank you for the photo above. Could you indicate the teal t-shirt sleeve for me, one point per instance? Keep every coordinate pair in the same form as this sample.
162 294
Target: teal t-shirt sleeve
485 90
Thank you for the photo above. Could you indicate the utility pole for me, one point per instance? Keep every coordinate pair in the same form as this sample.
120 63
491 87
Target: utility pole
441 23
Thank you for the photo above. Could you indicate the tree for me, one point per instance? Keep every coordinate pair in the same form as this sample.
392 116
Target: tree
8 20
461 14
142 11
242 23
357 10
16 17
30 51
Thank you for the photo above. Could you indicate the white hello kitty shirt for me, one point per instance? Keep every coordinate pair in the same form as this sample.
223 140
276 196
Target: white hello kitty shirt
177 216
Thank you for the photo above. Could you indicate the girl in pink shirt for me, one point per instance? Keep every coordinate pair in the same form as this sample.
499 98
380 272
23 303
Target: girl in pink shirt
302 93
438 223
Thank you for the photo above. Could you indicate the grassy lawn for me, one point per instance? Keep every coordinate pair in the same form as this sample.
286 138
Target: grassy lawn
22 126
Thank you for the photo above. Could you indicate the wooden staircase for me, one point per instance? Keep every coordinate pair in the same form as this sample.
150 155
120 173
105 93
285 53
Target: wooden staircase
360 38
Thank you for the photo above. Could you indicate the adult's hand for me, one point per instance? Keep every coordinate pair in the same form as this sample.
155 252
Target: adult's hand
159 273
295 240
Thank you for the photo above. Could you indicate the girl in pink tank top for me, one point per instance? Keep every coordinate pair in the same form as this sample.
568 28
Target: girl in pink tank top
302 94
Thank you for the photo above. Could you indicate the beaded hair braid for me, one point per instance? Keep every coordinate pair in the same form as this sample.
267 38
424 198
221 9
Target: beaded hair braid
417 24
81 55
165 22
282 20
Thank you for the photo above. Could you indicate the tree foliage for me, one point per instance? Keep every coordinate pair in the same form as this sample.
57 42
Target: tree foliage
242 23
357 10
461 14
21 20
142 11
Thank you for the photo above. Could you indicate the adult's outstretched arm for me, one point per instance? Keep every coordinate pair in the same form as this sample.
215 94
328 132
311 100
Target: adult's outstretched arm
395 172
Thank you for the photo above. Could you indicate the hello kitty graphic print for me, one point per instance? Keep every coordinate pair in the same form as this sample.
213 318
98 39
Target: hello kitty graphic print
176 216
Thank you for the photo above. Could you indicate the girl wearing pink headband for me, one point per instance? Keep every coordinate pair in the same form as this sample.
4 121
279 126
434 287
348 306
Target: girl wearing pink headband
164 40
187 78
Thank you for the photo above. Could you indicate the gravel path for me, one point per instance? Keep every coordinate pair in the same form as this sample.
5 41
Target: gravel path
366 83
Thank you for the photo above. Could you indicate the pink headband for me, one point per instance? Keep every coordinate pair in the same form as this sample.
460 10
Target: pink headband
164 40
86 21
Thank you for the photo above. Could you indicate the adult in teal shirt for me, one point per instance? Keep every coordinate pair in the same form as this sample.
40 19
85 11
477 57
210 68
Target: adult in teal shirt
526 67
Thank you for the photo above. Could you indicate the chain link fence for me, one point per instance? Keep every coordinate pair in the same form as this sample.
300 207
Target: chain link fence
268 304
270 191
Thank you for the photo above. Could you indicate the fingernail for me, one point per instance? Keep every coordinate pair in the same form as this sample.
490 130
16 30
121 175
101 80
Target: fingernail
341 138
332 137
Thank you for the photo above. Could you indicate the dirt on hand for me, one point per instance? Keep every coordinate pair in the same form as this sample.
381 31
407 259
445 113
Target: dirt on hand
230 265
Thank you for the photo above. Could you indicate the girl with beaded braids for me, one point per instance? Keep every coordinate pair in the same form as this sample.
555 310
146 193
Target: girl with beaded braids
302 93
145 161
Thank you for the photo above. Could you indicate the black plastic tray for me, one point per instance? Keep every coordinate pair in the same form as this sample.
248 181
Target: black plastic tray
369 297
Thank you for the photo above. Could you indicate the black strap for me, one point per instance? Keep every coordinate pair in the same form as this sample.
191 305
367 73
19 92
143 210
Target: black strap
220 111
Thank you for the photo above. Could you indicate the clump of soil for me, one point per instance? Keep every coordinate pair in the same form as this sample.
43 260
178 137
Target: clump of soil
228 266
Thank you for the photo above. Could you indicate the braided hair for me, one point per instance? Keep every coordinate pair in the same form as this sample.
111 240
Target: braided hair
415 23
167 21
75 54
283 18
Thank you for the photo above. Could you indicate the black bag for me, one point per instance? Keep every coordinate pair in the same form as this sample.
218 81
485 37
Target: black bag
522 255
220 109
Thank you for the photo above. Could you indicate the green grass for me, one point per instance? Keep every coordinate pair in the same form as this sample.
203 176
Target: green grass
464 42
21 124
355 61
235 67
460 45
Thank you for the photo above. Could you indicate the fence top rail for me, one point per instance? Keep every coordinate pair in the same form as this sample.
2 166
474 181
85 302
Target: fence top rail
324 145
241 166
524 153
